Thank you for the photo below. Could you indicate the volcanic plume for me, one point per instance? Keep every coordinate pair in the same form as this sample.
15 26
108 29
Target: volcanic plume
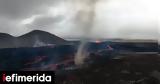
85 20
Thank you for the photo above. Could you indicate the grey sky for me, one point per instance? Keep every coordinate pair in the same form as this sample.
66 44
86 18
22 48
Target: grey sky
137 19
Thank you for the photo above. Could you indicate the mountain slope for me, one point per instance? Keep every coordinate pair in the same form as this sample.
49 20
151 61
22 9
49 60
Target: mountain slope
6 40
36 37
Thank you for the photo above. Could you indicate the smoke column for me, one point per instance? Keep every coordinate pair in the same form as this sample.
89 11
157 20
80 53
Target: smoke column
85 20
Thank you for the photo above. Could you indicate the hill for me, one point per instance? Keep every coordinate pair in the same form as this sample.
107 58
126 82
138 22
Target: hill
34 38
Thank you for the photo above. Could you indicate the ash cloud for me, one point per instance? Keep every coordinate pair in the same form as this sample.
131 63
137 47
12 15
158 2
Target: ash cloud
112 19
45 22
17 9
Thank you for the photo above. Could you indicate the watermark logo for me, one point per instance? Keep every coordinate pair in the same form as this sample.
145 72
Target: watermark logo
27 77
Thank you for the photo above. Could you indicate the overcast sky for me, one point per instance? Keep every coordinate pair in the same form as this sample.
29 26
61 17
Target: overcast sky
137 19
